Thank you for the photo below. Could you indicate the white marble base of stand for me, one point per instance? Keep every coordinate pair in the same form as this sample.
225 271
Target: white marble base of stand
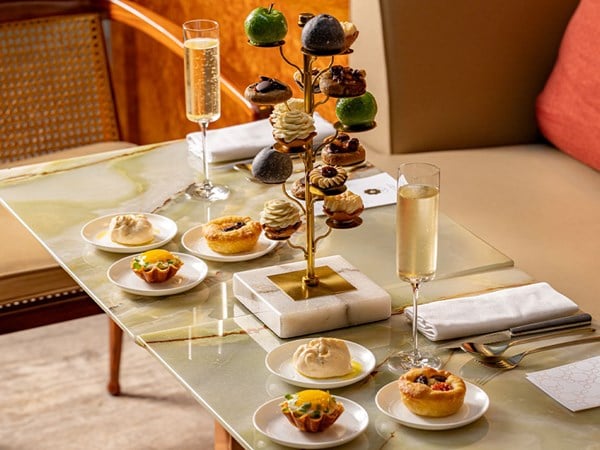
288 318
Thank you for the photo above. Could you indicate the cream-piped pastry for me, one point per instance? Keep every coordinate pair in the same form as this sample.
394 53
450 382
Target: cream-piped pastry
293 104
323 358
343 207
294 128
280 219
328 178
131 229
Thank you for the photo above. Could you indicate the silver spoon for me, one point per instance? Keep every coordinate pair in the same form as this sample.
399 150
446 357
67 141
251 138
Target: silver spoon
497 348
510 362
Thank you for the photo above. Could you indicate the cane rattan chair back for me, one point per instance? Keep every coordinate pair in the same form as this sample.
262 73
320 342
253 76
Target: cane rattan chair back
55 91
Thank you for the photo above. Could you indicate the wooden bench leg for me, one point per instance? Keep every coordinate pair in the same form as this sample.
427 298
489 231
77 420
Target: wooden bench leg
223 440
115 342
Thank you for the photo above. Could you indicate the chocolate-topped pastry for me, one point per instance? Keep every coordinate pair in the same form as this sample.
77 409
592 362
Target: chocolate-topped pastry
342 150
329 179
268 91
340 81
323 34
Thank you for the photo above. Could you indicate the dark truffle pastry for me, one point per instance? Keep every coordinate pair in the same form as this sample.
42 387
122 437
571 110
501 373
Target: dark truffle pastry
268 91
323 34
271 166
341 81
343 151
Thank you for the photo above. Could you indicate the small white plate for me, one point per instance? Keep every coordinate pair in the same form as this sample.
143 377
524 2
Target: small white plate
96 233
194 242
190 275
279 362
269 420
389 402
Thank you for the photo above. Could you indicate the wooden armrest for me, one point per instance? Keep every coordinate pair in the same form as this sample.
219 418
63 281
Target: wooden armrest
165 32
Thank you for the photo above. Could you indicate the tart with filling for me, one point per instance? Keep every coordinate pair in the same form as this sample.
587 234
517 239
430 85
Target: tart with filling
432 393
311 410
156 266
231 234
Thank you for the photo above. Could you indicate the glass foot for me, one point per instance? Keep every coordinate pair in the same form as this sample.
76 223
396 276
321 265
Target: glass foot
403 361
207 191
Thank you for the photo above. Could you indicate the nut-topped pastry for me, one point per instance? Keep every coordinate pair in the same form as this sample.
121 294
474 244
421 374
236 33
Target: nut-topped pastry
340 81
432 393
311 410
131 229
268 91
329 179
231 234
323 358
342 150
156 266
344 207
280 219
294 128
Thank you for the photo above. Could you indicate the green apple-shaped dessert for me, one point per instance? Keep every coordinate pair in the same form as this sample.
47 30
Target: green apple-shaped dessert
357 112
265 26
323 34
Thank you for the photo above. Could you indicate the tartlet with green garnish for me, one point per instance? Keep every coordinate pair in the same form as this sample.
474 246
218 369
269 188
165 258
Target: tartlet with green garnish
311 410
156 266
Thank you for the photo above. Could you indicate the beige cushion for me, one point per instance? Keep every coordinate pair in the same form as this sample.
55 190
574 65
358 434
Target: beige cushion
534 203
30 271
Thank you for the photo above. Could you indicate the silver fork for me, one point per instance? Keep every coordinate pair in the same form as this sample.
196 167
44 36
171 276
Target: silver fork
510 362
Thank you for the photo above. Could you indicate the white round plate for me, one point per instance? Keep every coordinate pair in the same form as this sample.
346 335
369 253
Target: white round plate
269 420
190 275
389 402
96 233
279 362
194 242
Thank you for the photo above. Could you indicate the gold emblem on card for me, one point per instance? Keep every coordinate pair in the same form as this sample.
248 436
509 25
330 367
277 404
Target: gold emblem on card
330 283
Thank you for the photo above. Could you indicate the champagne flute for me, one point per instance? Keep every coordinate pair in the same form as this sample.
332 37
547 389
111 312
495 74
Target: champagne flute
418 191
203 93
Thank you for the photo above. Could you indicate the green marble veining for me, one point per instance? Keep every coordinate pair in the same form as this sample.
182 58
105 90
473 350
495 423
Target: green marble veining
216 348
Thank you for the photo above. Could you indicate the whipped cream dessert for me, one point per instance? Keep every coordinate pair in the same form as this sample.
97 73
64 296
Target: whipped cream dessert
131 229
293 104
348 202
292 125
323 358
279 214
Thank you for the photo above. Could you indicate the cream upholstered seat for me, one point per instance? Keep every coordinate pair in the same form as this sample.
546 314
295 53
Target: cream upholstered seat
456 83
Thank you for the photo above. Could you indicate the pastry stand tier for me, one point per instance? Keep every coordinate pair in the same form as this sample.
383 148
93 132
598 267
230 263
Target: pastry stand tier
318 294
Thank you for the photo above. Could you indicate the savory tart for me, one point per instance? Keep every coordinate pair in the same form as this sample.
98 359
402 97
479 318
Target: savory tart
156 266
311 410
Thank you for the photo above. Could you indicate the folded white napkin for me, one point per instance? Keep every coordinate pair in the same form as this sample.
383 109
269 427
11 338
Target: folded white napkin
494 311
246 140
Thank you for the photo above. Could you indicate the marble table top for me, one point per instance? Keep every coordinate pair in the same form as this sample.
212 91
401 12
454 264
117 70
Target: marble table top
216 348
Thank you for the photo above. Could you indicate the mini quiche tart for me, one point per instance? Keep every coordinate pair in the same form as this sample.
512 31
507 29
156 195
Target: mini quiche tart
432 393
156 266
311 410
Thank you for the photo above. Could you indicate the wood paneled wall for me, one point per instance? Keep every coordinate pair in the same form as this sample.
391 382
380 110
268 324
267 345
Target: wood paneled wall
149 80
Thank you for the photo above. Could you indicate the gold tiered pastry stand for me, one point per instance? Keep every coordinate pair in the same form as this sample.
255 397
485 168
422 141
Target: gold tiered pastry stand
313 281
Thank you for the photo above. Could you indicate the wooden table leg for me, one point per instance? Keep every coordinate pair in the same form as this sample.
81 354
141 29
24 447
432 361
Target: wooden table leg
115 342
223 440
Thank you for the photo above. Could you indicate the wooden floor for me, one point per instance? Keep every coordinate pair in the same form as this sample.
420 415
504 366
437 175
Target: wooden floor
53 396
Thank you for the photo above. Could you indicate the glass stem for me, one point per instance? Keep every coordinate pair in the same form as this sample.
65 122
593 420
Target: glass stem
203 127
415 338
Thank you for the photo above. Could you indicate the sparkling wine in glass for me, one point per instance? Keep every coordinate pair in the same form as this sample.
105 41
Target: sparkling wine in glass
418 193
202 92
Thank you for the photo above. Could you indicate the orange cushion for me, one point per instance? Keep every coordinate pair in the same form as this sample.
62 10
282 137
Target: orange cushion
568 109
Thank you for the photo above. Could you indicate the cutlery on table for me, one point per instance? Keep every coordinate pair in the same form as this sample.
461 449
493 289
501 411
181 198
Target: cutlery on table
545 326
497 348
510 362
